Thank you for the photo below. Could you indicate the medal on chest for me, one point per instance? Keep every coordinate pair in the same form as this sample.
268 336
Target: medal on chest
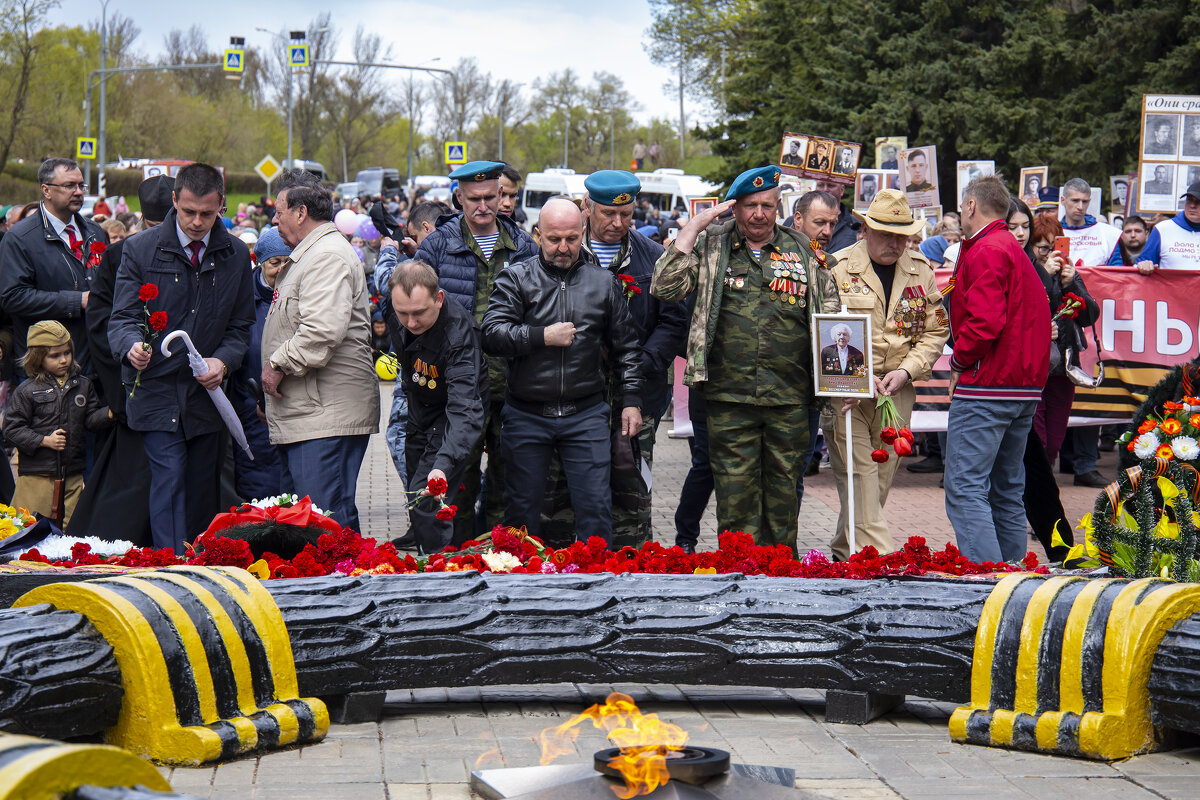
425 374
789 279
910 312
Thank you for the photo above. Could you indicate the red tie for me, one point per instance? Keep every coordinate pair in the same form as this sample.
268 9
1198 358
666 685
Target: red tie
196 247
76 245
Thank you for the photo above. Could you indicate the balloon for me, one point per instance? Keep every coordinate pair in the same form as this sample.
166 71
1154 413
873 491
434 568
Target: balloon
367 231
346 222
386 367
358 251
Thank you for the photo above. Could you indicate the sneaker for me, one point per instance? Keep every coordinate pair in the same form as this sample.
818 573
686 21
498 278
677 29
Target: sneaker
1093 479
927 464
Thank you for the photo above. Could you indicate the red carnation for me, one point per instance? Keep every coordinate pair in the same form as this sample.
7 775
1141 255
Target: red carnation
437 486
447 512
99 247
158 320
879 455
148 292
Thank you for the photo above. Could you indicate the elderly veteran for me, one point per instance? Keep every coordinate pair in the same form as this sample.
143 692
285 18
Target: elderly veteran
879 276
757 285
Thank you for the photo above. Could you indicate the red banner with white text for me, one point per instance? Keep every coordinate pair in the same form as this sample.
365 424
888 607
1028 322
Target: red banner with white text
1148 324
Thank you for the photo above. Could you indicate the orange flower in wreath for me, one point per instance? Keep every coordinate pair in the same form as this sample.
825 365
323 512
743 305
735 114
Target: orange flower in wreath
1194 420
1171 405
1171 426
1147 426
1164 451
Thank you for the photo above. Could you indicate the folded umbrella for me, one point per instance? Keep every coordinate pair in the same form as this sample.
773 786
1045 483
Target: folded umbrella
200 367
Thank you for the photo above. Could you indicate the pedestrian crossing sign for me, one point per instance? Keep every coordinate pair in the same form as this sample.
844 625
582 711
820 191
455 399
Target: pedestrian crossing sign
85 147
298 55
456 152
235 60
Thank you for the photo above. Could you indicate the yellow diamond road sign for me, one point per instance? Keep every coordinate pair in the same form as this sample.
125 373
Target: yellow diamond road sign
85 147
267 169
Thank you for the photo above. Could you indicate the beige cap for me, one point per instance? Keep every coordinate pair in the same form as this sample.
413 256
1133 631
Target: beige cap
889 212
47 333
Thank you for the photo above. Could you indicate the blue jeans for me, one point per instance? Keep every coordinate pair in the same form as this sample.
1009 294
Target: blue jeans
985 477
583 445
397 421
184 479
327 471
814 423
698 485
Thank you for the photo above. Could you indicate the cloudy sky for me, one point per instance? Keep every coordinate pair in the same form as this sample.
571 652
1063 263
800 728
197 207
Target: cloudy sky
519 39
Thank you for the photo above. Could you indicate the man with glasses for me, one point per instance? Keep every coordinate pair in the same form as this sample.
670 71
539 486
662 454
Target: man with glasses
43 259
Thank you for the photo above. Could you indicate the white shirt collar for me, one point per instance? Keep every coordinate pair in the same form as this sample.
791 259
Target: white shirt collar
185 240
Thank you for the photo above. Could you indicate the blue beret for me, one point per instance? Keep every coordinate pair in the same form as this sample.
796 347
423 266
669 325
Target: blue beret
474 171
612 187
754 180
269 245
1047 197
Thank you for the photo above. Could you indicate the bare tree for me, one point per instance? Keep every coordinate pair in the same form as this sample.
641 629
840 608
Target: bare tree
308 85
462 101
357 100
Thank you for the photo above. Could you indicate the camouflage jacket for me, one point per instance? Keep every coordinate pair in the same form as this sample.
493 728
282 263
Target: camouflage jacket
678 274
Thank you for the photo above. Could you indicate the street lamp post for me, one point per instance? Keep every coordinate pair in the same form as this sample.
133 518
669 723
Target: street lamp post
294 37
101 148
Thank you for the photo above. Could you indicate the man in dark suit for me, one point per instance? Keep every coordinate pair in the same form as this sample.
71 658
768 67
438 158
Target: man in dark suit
840 358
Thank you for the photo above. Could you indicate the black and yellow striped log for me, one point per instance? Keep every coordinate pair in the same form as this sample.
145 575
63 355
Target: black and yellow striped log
41 769
205 660
1063 664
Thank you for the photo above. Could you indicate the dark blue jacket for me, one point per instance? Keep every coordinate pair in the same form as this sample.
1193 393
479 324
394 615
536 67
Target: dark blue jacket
214 303
456 264
662 326
40 279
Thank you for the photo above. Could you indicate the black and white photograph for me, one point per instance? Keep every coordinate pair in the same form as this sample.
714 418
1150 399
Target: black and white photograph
970 170
842 355
1161 136
1190 149
846 161
1159 179
887 151
1118 193
820 155
792 153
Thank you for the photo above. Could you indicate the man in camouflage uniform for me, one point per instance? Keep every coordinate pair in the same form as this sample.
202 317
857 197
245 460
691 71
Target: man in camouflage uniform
662 330
750 349
467 251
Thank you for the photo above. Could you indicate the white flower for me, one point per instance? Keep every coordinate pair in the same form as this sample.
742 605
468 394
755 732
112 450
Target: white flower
1145 445
501 562
58 548
1185 448
284 501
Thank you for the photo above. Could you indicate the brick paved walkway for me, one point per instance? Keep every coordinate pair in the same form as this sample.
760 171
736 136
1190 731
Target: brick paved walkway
429 740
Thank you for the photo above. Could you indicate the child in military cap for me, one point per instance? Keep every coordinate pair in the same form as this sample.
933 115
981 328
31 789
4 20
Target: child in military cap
46 420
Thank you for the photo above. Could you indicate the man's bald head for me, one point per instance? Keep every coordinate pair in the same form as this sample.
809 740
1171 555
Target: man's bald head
561 224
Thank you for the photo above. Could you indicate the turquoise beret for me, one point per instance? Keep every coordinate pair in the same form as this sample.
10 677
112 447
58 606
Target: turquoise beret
612 187
474 171
754 180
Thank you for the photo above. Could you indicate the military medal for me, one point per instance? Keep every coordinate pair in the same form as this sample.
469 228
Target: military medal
432 383
739 283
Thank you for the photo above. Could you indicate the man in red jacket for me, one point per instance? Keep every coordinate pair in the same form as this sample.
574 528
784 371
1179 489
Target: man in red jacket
1001 328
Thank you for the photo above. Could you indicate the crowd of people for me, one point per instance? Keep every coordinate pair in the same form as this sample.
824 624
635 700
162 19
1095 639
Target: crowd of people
532 371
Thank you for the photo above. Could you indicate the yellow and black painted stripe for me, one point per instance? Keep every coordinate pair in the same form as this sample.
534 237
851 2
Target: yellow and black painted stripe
205 661
1062 664
42 769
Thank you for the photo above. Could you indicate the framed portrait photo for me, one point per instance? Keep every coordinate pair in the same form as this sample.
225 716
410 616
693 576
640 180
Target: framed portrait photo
787 203
1118 193
1032 181
842 355
867 184
845 159
820 156
1160 137
698 204
918 173
887 151
792 153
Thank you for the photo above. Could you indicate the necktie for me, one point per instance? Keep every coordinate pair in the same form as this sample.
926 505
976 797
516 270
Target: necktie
76 245
196 247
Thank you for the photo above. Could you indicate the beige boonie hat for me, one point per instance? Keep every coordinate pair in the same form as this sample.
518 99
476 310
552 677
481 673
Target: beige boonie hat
889 212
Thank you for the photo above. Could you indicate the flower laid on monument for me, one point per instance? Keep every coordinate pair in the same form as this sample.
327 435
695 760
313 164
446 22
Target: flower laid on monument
1171 434
154 324
13 520
435 487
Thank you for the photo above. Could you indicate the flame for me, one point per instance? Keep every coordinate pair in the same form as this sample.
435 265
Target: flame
644 740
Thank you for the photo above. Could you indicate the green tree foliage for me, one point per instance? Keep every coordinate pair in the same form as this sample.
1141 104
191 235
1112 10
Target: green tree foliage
1020 82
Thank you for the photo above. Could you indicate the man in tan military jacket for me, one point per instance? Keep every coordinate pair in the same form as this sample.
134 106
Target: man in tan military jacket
879 276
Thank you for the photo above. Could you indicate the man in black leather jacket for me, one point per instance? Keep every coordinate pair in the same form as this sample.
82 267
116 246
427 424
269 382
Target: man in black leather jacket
562 323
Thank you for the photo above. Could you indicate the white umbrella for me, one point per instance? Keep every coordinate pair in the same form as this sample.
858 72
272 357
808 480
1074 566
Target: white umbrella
200 367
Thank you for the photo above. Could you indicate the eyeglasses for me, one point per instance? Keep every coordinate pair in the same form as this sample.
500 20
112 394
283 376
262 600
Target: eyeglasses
1042 248
69 186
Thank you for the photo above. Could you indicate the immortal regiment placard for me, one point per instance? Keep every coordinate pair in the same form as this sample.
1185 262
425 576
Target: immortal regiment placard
1032 181
1142 337
919 174
1118 194
869 182
842 355
887 151
969 171
819 158
1170 153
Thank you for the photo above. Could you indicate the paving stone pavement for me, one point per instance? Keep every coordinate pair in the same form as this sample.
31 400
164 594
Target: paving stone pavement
429 740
